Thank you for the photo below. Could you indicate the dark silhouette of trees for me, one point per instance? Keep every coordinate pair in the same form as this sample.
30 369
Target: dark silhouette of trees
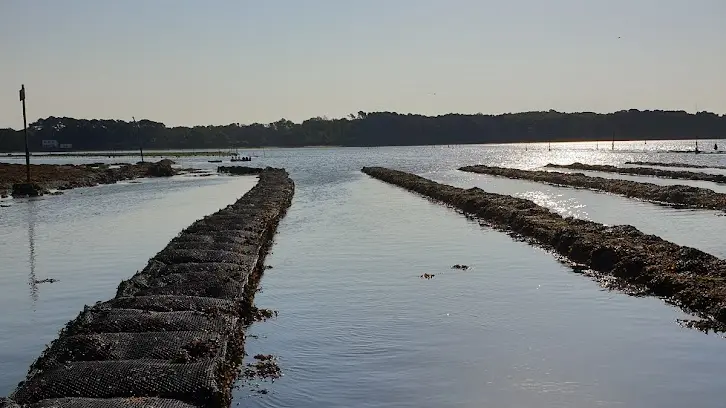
374 129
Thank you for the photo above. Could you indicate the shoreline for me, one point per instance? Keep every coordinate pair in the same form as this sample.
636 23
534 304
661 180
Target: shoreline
47 177
162 153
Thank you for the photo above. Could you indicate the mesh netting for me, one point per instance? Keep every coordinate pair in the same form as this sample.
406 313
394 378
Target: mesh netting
8 403
178 347
194 382
164 303
178 256
206 228
156 269
133 402
210 237
213 246
137 321
220 284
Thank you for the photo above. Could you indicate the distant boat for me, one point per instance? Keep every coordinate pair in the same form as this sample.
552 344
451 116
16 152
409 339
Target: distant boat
215 161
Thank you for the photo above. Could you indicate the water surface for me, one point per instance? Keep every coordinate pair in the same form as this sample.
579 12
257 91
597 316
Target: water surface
358 326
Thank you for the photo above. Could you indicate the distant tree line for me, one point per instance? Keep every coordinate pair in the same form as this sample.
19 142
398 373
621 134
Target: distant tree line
372 129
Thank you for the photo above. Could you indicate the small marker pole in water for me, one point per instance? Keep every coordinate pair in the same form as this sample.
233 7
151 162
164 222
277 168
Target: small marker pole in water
25 131
138 134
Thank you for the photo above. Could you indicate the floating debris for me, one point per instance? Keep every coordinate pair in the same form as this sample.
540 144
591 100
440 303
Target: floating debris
47 280
265 367
461 267
427 276
256 314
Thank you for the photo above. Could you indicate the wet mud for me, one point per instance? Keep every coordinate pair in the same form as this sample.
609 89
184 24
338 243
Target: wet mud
680 196
174 334
47 177
644 171
621 256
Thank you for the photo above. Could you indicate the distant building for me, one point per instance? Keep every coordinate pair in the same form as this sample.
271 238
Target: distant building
50 144
66 146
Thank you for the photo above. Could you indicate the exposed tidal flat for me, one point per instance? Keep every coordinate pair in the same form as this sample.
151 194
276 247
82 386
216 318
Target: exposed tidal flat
683 196
45 177
645 171
357 326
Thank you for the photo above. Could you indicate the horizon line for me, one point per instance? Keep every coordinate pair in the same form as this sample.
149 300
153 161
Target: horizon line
348 117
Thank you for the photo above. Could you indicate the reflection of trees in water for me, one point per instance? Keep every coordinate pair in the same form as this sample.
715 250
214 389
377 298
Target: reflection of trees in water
32 281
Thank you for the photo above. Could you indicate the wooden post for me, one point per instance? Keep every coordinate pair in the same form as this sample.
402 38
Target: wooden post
138 134
25 131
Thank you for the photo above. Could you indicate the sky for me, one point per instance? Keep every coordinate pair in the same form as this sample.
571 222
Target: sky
194 62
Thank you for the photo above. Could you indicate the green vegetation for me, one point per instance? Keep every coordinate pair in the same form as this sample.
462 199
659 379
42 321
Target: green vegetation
373 129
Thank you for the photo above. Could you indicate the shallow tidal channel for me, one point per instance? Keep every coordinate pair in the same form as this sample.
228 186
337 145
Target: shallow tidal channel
358 326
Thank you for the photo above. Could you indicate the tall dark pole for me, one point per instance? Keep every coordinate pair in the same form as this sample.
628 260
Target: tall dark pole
138 134
25 131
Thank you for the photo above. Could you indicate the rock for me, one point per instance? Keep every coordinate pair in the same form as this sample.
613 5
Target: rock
27 190
161 168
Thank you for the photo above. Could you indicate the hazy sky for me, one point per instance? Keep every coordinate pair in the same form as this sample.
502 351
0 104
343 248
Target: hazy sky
224 61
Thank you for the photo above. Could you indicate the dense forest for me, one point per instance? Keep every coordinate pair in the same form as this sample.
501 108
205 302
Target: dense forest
372 129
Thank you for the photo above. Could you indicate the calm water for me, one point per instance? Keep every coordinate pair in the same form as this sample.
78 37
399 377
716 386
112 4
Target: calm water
357 326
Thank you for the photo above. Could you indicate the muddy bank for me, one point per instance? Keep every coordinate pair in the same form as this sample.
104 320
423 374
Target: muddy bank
644 171
676 195
68 176
239 170
174 334
682 165
621 255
